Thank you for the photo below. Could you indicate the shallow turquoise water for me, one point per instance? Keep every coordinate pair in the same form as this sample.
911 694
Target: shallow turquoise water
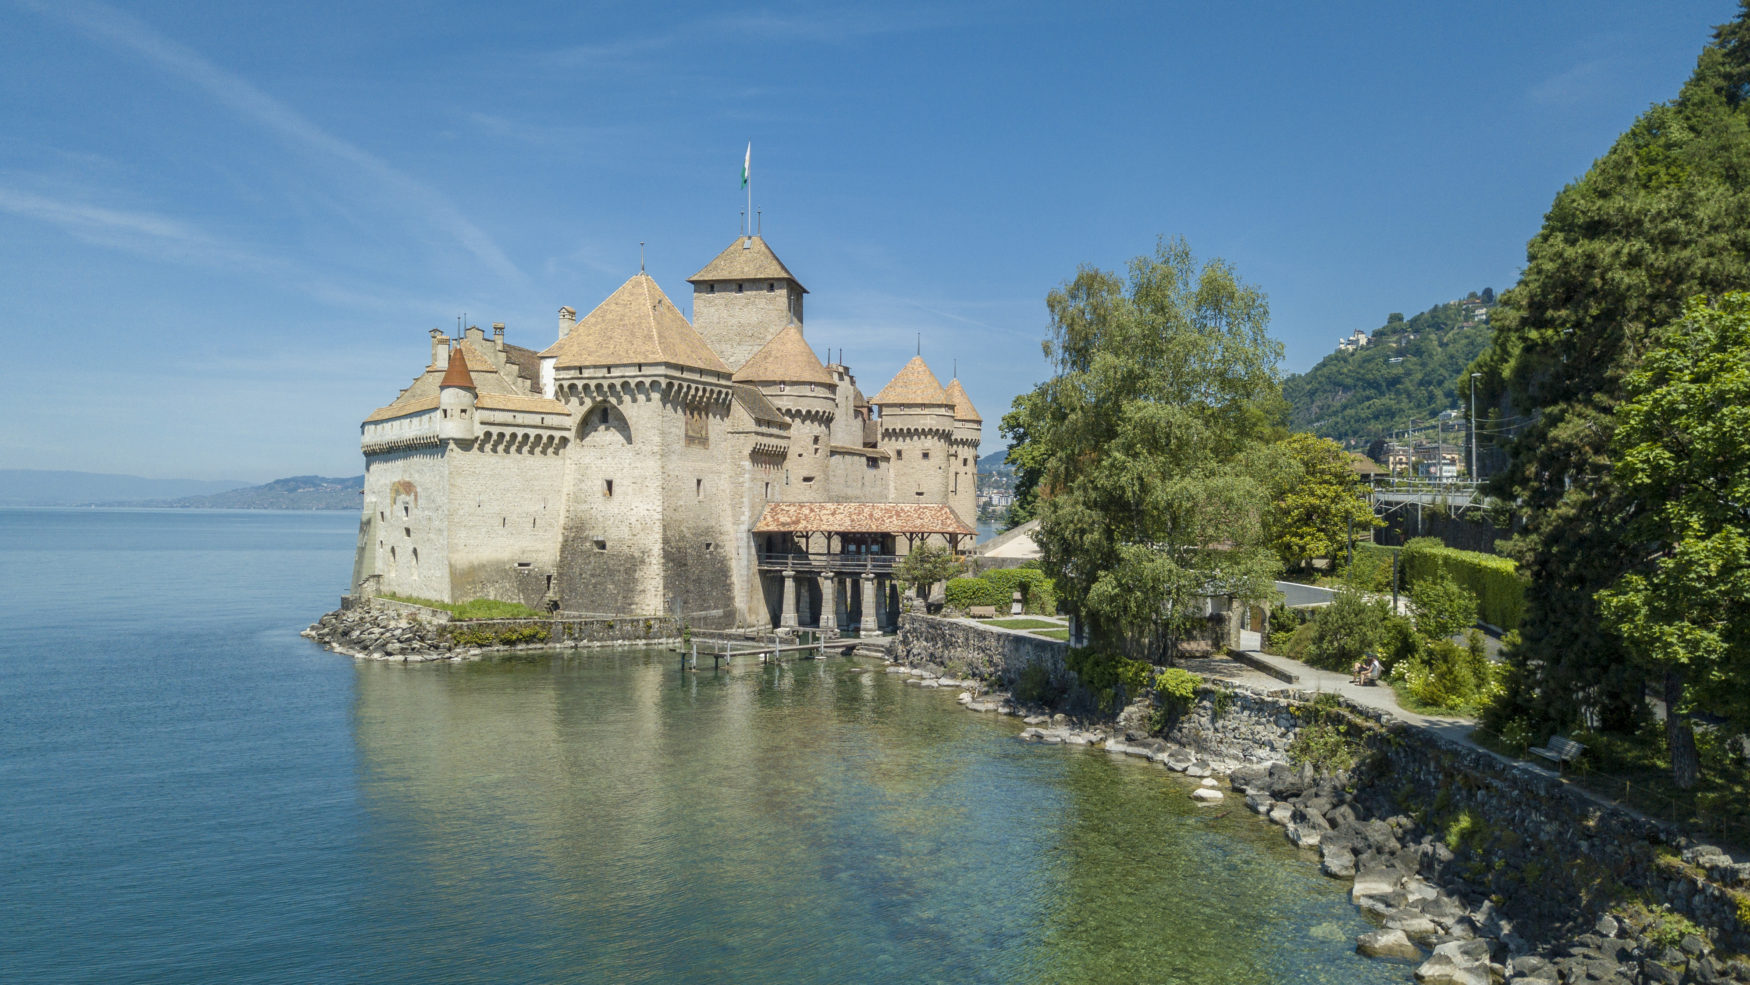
190 792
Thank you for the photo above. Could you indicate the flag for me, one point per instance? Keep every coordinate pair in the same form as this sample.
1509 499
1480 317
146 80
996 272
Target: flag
745 161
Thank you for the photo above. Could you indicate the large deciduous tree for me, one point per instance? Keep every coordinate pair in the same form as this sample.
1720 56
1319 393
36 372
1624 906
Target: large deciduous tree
1682 448
1664 215
1151 445
1319 502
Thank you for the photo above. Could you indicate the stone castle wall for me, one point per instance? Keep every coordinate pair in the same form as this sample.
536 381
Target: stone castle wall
735 325
409 491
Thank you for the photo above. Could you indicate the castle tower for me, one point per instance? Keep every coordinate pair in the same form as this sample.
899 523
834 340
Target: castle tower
963 451
456 400
744 298
917 427
791 376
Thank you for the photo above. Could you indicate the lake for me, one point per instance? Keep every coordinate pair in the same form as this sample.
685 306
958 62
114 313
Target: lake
190 792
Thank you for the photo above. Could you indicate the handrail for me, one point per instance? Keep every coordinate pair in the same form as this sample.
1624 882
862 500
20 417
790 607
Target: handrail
800 561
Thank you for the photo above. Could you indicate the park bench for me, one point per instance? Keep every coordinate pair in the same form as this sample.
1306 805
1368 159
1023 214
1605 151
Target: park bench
982 612
1559 751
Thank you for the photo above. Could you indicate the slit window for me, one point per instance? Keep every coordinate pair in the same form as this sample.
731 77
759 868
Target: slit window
698 488
608 488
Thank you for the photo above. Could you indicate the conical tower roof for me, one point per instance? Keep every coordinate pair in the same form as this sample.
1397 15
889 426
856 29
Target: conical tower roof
748 258
457 374
913 384
636 324
787 358
963 409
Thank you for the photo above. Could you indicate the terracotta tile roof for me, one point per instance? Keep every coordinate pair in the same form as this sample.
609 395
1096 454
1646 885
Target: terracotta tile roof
914 384
963 409
752 261
494 389
636 324
860 518
457 374
787 358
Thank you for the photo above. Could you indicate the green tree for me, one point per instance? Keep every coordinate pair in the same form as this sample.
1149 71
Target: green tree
1350 628
1152 444
1664 215
926 565
1318 502
1441 607
1682 447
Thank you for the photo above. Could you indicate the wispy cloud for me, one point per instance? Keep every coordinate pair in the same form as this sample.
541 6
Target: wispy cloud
1574 86
127 32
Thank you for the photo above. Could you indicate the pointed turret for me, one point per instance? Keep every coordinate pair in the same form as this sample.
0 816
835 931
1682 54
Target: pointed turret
457 399
787 358
963 409
457 374
913 385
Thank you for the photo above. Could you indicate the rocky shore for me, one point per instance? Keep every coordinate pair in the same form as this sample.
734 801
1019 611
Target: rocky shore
1456 867
401 633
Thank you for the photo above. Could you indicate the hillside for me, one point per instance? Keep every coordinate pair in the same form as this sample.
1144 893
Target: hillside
299 492
1409 372
42 487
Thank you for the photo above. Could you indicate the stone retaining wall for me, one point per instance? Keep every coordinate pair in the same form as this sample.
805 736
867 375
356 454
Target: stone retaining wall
988 654
379 629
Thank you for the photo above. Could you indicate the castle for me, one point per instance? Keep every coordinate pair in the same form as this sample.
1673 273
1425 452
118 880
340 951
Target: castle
714 470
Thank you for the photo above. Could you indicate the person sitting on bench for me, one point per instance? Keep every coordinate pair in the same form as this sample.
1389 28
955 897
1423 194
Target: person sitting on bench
1367 670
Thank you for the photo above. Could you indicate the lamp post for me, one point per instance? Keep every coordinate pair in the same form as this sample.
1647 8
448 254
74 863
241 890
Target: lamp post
1473 426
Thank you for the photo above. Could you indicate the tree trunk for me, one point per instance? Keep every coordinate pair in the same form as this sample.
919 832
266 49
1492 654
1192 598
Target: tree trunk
1679 736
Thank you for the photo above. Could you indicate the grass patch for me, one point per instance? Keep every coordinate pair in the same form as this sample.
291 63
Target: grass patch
1060 635
1022 623
473 608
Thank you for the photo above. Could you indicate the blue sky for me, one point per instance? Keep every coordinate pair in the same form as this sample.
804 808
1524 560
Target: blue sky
225 229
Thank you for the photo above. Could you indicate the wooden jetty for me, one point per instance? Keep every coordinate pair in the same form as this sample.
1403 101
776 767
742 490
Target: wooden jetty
722 651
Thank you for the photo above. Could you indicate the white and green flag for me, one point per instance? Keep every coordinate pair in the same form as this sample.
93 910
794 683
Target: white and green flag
745 161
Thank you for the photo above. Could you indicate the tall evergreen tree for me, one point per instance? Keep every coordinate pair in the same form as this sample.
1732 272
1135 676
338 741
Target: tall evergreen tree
1664 215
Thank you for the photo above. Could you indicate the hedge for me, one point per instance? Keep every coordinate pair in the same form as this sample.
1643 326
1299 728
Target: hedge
997 586
1495 581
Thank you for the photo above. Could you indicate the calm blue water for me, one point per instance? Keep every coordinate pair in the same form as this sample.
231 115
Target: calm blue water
189 792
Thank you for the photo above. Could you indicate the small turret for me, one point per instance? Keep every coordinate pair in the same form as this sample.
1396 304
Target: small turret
456 399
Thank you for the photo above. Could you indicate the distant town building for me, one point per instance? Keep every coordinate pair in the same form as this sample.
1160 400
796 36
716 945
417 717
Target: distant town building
1356 340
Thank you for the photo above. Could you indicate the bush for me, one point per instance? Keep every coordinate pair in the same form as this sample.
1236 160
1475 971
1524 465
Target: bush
964 593
1326 738
1105 674
1441 607
1346 630
1371 570
997 586
1447 677
1495 581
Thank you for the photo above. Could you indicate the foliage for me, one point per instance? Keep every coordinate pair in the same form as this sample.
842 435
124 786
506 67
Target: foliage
1355 397
1346 630
1494 581
1371 570
1327 738
997 586
1446 677
499 635
1441 608
1466 830
1177 687
1682 452
473 608
1318 504
1662 216
927 564
1150 445
1023 624
1034 686
1110 677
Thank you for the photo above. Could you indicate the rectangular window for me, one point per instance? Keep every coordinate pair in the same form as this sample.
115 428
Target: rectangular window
926 456
698 488
607 487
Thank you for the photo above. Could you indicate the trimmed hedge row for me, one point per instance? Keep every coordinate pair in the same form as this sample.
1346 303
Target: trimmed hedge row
1495 581
997 586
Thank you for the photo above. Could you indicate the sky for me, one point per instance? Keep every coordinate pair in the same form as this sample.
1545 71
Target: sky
226 229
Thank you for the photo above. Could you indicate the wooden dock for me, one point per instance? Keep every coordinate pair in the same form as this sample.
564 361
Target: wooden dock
723 651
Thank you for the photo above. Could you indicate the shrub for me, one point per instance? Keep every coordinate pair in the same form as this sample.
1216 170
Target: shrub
1177 688
1447 677
1325 739
964 593
997 587
1371 569
1346 630
1495 581
1442 608
1105 674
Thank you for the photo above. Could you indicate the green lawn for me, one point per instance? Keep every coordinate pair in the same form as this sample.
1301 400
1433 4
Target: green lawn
473 608
1061 635
1023 623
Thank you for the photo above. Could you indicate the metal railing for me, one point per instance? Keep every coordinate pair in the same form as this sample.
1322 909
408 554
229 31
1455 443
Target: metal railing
879 564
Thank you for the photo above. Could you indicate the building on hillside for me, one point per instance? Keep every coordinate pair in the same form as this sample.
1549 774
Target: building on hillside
644 464
1356 340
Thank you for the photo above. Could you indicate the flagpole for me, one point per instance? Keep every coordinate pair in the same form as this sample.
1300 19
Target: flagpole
748 167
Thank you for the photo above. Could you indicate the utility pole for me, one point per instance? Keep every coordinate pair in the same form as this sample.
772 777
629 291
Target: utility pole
1473 426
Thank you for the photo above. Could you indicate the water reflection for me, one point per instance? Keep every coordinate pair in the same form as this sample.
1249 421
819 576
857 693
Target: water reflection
604 817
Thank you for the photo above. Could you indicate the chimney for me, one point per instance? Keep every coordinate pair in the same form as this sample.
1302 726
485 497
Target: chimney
440 348
498 335
567 320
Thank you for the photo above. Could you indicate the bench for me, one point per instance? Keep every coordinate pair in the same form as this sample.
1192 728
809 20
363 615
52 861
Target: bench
982 612
1558 750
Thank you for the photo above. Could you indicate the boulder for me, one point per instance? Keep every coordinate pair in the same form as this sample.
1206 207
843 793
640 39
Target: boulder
1207 795
1338 861
1387 944
1375 880
1259 802
1456 963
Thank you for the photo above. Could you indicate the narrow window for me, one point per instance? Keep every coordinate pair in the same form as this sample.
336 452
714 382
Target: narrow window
707 547
604 417
383 515
711 289
769 287
525 564
406 531
404 509
698 488
926 456
768 490
899 453
608 487
738 288
504 521
549 583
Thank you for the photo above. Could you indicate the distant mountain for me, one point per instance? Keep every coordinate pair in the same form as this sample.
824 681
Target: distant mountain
994 462
36 487
1409 371
299 492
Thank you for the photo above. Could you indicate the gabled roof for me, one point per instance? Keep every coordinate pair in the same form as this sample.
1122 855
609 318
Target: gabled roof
787 358
963 409
758 407
914 384
860 518
636 324
748 258
457 374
